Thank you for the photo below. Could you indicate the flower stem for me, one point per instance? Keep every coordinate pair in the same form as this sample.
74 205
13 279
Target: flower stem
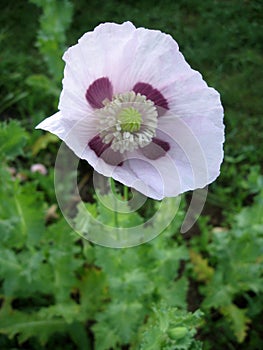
113 187
126 193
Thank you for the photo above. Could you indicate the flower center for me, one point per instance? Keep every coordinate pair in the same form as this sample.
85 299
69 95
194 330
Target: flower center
130 119
127 122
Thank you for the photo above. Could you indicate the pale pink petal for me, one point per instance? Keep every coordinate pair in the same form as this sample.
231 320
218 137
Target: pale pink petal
193 160
191 97
160 176
56 124
76 134
151 57
95 56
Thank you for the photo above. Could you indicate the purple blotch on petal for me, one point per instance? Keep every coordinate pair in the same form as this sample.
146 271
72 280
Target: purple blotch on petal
97 145
104 151
163 144
98 91
156 149
151 94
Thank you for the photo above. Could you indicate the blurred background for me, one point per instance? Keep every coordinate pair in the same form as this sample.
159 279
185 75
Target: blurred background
200 290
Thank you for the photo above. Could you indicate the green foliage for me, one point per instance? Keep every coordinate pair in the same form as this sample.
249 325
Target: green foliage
12 140
27 326
132 288
171 329
17 57
237 272
58 291
48 286
54 21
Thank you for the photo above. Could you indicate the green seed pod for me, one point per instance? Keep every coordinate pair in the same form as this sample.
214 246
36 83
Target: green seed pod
177 332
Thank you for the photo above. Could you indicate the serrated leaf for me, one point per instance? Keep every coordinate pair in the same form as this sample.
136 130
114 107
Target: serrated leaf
42 142
123 318
174 293
161 330
31 217
12 140
79 335
54 21
69 311
43 83
105 337
25 325
217 297
202 270
92 289
127 218
238 320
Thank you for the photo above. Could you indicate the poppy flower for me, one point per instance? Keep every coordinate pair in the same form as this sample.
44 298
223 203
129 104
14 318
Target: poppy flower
137 112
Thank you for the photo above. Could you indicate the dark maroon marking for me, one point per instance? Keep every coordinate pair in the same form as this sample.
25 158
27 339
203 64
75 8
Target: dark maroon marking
151 94
104 151
98 91
165 145
97 145
156 149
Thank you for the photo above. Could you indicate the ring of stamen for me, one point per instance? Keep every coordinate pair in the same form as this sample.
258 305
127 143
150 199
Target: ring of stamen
127 122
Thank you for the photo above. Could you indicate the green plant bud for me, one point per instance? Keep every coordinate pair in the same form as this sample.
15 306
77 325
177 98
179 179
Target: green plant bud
177 332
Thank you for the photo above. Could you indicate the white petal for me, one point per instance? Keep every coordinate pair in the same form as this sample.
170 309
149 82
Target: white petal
96 55
193 160
76 134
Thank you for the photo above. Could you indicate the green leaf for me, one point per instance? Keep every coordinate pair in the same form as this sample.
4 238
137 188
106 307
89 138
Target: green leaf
31 217
122 318
238 319
12 140
79 335
105 337
174 293
42 142
54 21
25 325
171 329
93 292
10 271
43 83
202 270
69 311
125 219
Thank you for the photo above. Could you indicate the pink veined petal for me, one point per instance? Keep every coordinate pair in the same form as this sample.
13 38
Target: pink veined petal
192 97
96 55
160 176
97 52
75 133
210 135
128 177
193 160
163 65
55 124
